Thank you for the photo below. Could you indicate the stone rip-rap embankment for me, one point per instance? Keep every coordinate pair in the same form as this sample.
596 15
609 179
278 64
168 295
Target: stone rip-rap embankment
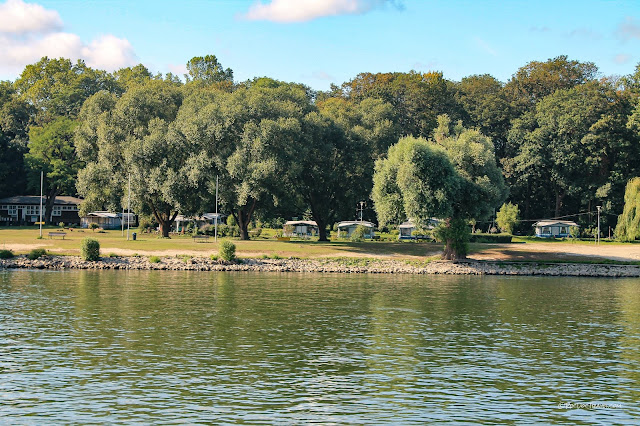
365 266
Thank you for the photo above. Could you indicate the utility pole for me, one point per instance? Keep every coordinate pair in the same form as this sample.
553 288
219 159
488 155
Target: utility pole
598 237
215 232
41 183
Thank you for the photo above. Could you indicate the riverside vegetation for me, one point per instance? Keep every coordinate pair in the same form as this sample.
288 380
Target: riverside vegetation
281 149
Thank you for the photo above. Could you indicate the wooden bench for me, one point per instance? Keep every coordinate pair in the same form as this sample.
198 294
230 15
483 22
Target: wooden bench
203 238
57 234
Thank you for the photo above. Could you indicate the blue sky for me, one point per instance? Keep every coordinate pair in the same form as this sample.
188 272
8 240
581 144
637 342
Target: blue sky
318 42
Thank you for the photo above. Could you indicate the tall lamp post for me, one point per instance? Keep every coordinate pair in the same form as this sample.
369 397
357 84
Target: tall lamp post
598 237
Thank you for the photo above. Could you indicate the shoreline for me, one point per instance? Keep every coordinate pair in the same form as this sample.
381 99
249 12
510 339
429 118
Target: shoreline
343 265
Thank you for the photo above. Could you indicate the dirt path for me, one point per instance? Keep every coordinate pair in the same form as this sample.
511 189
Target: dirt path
547 251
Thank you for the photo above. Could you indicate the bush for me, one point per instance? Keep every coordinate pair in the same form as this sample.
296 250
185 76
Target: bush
507 217
255 232
358 234
36 253
6 254
61 224
93 226
227 250
490 238
154 259
90 249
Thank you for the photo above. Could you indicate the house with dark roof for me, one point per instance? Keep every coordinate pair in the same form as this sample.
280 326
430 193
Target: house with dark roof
25 210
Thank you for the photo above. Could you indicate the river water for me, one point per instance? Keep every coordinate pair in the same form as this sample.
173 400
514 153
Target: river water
203 347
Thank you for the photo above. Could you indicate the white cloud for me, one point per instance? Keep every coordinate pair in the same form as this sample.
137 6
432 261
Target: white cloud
628 29
307 10
36 32
109 52
621 58
18 17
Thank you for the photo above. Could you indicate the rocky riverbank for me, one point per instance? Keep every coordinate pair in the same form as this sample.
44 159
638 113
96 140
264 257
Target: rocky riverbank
340 265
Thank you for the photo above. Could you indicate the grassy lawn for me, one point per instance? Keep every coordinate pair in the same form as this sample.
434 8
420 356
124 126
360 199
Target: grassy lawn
22 239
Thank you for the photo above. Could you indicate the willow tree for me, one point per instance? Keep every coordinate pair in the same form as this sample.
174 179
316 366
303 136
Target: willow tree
251 139
628 228
453 177
131 139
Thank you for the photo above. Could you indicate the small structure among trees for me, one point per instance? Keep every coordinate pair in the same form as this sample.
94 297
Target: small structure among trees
554 228
346 228
300 228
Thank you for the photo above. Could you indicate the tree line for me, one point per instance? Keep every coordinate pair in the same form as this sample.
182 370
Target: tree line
557 139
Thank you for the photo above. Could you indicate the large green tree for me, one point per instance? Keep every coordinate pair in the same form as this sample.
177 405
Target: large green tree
251 139
52 151
14 127
59 87
130 139
207 70
487 105
417 98
574 150
453 177
628 227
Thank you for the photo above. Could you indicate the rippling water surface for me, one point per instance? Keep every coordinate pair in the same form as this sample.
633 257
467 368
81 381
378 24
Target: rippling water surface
140 347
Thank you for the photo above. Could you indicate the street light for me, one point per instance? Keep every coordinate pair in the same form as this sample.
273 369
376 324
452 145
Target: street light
598 237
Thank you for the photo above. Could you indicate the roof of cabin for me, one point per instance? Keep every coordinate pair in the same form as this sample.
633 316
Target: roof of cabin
555 223
347 223
35 199
301 222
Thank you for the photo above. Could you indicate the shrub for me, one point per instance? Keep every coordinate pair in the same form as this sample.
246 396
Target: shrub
507 217
36 253
255 232
93 226
6 254
61 224
227 250
214 257
358 234
90 249
490 238
113 255
154 259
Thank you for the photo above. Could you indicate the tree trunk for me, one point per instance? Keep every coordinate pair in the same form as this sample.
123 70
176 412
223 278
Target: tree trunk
454 236
48 206
164 229
322 230
165 220
450 252
243 218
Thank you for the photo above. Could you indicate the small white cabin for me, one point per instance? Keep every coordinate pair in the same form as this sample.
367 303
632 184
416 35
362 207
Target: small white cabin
300 228
554 228
406 229
181 222
346 228
107 220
